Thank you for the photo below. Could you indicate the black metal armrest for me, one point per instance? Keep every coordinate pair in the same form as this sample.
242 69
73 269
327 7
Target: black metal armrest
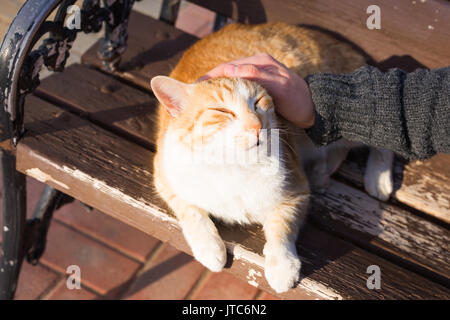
20 65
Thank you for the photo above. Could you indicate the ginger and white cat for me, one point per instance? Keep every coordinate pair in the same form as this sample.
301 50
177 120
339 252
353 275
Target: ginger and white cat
203 126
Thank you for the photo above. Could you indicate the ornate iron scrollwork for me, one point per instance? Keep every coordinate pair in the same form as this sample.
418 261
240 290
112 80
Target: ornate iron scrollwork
20 67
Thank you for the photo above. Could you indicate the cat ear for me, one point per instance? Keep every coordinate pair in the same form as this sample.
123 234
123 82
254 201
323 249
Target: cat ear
171 93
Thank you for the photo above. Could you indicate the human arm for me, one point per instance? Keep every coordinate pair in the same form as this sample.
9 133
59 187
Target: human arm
408 113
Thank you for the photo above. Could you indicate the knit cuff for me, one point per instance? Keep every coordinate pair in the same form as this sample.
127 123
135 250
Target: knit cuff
324 129
345 105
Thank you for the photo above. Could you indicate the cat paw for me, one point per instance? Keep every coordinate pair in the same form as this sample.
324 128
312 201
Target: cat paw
282 270
379 185
212 254
378 180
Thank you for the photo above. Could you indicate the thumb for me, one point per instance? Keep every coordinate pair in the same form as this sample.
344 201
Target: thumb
230 70
248 71
218 71
254 73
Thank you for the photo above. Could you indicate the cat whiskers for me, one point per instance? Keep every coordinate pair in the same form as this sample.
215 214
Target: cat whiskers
288 131
289 146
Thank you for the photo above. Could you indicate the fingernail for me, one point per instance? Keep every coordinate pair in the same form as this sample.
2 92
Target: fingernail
230 70
205 77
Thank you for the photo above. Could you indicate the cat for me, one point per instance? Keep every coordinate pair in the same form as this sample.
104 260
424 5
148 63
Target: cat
236 116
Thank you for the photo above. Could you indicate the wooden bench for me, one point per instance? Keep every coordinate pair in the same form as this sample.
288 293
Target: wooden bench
90 135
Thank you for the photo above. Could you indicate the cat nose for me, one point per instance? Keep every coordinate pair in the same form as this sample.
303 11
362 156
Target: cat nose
254 128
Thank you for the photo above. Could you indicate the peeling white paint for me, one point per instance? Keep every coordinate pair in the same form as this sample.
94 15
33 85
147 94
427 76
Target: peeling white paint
251 277
253 283
44 177
392 226
239 253
320 289
109 190
311 286
118 194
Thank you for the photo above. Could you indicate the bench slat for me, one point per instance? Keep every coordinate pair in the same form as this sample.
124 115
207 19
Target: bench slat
117 108
356 216
423 185
103 99
114 176
417 28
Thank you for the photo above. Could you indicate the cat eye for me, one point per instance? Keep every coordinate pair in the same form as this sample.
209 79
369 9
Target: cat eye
223 110
257 101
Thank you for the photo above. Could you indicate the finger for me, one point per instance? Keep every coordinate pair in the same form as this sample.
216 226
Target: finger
260 60
270 81
233 70
214 73
248 71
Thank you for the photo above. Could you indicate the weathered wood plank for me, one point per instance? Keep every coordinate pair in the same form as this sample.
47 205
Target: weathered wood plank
114 176
129 110
424 185
356 216
417 28
103 99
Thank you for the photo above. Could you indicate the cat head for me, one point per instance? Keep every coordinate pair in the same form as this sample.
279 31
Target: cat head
217 114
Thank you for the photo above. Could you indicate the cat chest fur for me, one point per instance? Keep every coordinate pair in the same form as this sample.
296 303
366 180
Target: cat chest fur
235 193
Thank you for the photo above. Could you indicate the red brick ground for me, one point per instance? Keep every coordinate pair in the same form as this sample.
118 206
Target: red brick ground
117 262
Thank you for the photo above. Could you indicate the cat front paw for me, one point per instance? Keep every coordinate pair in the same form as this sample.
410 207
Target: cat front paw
379 184
212 254
378 180
282 269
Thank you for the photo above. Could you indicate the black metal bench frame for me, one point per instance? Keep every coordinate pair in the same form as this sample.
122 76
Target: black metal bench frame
19 75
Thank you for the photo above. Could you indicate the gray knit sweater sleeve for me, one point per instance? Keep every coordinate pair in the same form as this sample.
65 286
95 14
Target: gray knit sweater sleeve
408 113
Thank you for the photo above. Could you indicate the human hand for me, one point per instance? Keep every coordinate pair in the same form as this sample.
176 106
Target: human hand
289 91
